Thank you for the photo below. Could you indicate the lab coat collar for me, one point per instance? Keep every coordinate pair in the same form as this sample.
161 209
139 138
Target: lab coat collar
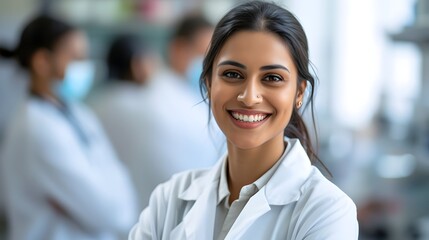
203 191
198 185
287 180
283 188
285 185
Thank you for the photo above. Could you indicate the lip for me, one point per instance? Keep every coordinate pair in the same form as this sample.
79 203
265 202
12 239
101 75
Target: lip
248 125
248 112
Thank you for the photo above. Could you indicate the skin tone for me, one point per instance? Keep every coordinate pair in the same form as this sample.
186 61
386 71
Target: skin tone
142 67
253 91
183 51
47 66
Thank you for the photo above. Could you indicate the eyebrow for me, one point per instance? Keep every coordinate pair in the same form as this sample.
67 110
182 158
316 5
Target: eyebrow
274 66
233 63
263 68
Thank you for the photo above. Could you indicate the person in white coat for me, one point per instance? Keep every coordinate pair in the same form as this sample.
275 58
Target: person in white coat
143 116
61 178
265 187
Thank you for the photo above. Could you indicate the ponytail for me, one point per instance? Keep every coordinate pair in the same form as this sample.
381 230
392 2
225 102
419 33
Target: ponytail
298 129
6 53
42 32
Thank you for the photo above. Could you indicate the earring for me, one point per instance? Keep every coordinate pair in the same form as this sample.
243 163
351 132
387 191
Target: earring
299 104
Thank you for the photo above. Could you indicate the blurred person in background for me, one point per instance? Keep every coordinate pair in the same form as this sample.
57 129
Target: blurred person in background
186 50
61 177
153 122
121 105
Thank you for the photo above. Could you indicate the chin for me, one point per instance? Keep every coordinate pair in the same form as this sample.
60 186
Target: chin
245 143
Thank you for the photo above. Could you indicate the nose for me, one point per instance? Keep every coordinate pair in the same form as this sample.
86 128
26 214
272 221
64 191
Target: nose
250 93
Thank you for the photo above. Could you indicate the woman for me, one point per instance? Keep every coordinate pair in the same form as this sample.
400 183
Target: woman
61 178
256 74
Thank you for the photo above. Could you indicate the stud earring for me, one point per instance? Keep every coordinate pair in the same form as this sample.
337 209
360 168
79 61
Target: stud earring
299 104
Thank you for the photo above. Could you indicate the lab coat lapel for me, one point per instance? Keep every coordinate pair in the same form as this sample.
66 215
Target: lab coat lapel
283 188
199 223
256 207
285 185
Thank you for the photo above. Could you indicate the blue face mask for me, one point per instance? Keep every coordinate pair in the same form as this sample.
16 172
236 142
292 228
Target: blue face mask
193 73
77 81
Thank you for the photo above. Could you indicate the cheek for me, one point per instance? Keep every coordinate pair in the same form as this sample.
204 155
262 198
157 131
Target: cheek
220 95
217 98
59 66
283 102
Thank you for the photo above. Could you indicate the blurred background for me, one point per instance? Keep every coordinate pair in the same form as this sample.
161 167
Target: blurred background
372 104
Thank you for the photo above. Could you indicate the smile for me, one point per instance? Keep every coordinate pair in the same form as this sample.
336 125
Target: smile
249 118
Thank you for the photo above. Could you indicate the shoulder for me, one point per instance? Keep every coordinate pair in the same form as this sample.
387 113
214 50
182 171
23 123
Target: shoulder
179 183
318 186
325 210
167 205
41 118
29 118
45 124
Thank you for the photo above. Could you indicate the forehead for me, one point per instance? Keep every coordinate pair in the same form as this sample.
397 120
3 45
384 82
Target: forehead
256 48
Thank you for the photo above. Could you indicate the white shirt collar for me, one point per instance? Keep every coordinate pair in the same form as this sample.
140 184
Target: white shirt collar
250 189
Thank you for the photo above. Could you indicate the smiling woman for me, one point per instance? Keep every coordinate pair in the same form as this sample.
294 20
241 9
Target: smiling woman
255 74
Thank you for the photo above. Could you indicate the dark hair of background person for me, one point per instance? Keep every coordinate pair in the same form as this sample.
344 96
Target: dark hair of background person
268 17
42 32
123 49
189 26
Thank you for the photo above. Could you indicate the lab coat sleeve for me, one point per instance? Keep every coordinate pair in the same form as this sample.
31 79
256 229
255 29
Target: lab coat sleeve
152 219
95 193
331 219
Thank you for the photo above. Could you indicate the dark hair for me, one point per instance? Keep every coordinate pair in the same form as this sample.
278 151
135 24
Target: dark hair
41 32
122 50
264 16
189 26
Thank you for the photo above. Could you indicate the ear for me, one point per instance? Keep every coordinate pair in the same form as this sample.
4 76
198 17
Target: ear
138 71
40 63
301 90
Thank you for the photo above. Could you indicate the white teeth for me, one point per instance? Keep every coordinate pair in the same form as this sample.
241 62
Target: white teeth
249 118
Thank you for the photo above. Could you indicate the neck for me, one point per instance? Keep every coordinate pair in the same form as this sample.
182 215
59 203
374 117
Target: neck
245 166
42 88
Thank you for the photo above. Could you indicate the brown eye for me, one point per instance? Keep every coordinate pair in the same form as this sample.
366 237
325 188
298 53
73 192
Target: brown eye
273 78
232 75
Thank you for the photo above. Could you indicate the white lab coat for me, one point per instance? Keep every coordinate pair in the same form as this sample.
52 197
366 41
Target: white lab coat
297 203
57 187
158 130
